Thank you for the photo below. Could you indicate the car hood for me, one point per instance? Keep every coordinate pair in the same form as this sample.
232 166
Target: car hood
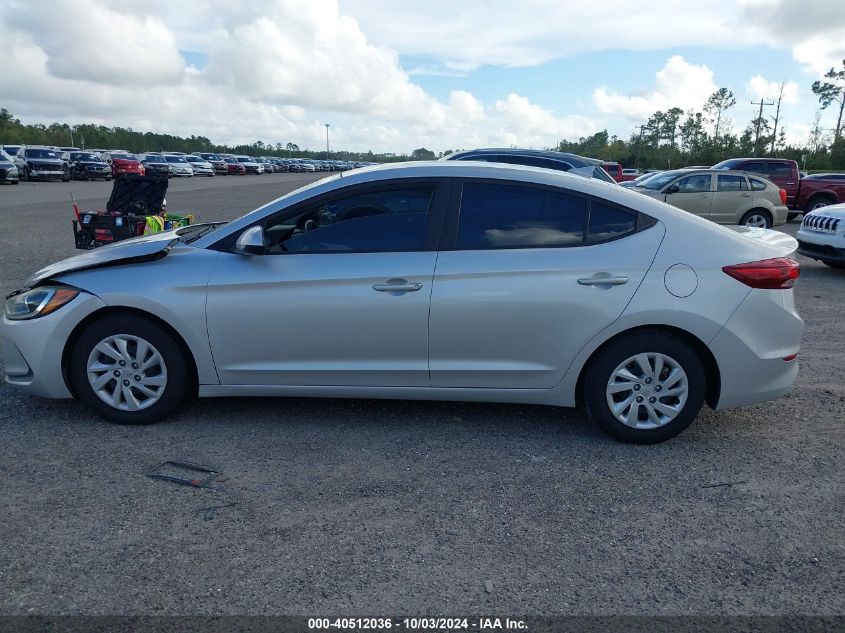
45 161
831 211
138 249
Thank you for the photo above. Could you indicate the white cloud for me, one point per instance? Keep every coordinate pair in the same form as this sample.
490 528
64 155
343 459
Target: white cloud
758 87
276 72
677 84
87 40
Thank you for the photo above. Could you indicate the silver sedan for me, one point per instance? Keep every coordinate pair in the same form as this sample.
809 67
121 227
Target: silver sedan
445 280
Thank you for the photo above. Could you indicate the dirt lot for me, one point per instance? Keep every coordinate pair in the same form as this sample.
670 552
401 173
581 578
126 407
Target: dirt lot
364 507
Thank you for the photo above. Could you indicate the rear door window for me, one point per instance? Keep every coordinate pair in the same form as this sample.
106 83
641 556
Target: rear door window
494 216
756 167
780 170
731 183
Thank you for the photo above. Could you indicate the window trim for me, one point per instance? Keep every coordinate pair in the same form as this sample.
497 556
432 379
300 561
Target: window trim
437 212
452 219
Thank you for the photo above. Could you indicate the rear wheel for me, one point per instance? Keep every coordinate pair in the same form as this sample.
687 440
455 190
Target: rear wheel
645 387
129 370
757 218
818 202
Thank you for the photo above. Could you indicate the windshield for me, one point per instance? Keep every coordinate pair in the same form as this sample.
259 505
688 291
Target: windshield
658 181
175 159
194 159
41 153
230 160
727 164
4 155
245 159
123 157
211 157
154 158
84 156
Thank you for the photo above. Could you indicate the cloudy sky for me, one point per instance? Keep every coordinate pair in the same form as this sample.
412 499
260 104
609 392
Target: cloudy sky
393 75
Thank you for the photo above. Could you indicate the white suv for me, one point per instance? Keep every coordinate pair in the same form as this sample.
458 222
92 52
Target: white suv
822 235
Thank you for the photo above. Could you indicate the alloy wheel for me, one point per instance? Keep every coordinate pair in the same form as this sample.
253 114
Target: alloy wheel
647 391
757 220
127 372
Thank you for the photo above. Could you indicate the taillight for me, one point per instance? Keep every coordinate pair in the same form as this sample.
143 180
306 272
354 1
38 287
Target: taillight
769 274
782 196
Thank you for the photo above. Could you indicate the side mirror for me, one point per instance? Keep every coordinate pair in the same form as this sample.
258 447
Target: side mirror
672 189
251 242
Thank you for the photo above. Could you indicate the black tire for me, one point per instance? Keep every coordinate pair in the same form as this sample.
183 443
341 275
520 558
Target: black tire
179 372
26 174
791 216
837 265
762 212
14 182
608 358
817 202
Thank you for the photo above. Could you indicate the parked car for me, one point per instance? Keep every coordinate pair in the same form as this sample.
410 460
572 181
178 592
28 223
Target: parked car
725 197
251 166
281 166
561 161
639 179
822 235
200 166
630 174
123 164
37 162
781 171
156 165
216 161
8 170
233 166
614 169
640 309
83 165
179 165
820 190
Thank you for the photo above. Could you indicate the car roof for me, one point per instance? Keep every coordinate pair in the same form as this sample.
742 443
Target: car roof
510 151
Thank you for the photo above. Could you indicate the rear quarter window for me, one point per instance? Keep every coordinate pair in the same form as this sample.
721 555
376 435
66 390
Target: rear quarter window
757 185
609 223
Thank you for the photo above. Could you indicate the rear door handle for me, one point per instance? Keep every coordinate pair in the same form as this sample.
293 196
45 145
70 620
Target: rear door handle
608 280
397 285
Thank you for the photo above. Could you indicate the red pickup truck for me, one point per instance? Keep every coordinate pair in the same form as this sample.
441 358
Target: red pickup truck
820 190
614 169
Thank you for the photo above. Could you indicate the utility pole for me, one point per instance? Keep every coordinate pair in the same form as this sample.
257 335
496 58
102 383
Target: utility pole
759 119
777 118
639 143
327 140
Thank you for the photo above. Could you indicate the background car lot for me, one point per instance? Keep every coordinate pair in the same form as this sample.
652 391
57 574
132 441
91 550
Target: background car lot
410 506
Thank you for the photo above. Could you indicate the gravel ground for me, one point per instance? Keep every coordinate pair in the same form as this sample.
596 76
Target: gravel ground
376 507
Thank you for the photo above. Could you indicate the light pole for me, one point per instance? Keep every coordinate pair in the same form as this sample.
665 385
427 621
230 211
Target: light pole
327 140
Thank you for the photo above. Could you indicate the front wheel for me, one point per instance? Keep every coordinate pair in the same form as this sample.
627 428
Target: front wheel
645 387
129 370
757 218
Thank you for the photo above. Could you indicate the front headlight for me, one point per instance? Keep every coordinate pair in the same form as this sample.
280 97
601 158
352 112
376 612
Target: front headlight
38 302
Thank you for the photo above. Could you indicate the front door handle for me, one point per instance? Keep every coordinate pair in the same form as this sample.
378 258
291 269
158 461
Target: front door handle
603 280
397 285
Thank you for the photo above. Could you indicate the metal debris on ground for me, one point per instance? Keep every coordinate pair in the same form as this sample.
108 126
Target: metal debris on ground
187 479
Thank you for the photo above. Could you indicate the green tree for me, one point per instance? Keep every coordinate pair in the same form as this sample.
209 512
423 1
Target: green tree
423 154
832 91
717 104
